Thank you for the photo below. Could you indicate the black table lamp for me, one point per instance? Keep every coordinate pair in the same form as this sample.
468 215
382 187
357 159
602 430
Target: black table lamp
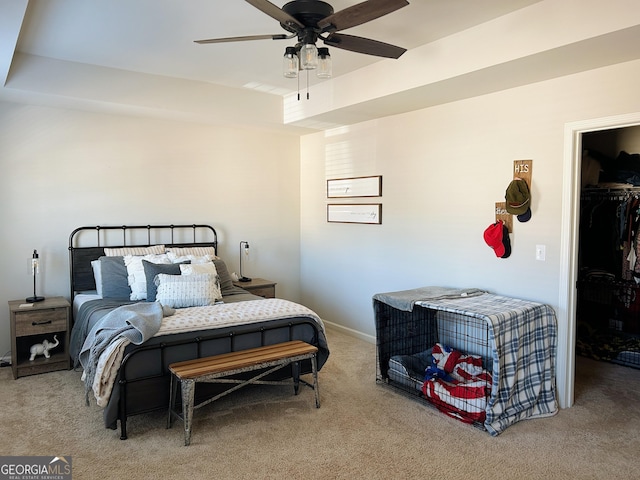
243 246
35 271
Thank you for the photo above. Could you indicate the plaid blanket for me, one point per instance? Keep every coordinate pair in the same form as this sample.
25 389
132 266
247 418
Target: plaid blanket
524 335
406 299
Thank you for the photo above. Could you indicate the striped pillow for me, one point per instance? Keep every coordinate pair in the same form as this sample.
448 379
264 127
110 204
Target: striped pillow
194 259
196 251
181 291
122 251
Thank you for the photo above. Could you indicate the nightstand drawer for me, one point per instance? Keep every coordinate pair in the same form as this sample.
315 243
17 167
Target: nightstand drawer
259 286
41 321
266 292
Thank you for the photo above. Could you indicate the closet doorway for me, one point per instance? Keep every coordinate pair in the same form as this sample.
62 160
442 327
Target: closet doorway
599 133
608 288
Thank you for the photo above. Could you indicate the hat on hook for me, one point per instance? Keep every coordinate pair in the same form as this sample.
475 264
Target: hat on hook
525 217
518 198
496 236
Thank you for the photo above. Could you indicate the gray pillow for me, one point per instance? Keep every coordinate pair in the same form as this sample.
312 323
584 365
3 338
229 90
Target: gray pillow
153 269
226 283
114 278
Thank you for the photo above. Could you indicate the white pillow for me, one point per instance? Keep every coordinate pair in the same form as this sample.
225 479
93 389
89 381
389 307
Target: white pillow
97 275
135 273
180 291
197 251
196 268
195 259
121 252
200 268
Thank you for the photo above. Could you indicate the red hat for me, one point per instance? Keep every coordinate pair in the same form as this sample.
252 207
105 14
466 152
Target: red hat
497 237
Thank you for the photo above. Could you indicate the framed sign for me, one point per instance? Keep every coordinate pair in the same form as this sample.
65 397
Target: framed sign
355 213
355 187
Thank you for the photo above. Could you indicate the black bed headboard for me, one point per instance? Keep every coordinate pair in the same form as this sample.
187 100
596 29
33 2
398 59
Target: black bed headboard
87 244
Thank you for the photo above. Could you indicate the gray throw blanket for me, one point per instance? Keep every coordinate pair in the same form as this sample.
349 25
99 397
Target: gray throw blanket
137 323
406 299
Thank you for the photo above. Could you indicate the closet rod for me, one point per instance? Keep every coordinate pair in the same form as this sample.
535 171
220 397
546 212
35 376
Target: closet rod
612 193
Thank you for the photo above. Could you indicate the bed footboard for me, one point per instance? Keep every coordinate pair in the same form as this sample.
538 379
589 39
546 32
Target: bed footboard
143 381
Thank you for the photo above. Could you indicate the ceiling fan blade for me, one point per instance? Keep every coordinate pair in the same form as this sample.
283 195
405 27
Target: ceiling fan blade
276 12
359 14
363 45
278 36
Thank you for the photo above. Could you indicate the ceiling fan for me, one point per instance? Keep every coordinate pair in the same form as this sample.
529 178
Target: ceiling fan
310 20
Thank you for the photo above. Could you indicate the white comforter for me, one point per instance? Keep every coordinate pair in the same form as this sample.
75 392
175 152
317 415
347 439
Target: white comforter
197 318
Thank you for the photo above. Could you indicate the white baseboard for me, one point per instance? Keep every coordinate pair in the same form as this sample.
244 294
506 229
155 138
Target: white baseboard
350 331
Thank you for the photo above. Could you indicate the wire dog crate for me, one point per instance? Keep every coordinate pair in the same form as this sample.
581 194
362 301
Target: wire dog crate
485 359
442 357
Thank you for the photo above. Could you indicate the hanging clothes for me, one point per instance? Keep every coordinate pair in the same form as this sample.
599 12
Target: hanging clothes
600 237
610 234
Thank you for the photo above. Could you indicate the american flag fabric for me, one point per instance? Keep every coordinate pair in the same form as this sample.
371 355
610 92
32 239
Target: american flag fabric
457 384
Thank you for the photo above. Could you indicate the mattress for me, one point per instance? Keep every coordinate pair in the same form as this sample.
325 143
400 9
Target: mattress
80 299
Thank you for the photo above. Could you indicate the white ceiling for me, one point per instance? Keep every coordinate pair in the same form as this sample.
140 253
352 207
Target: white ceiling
139 57
156 36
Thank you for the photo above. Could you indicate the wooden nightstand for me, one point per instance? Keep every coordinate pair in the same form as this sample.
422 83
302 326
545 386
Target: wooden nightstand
259 286
33 324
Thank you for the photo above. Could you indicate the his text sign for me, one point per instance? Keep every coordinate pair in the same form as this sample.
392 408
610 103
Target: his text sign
523 169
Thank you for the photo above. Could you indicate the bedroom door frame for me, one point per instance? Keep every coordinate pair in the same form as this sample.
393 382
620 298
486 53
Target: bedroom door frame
569 237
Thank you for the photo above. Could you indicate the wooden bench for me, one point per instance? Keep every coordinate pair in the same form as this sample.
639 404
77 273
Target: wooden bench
213 369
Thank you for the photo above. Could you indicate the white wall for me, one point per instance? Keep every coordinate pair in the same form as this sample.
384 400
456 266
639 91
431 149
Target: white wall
61 169
443 170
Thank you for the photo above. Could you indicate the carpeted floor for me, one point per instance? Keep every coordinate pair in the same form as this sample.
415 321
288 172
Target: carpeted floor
362 430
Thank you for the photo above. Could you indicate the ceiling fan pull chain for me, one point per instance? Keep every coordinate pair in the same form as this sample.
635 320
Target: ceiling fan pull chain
307 84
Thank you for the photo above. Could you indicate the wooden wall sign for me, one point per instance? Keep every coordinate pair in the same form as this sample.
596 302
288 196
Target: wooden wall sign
502 214
523 169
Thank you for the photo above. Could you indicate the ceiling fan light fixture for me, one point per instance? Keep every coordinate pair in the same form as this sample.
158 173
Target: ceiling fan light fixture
290 63
308 57
310 20
324 63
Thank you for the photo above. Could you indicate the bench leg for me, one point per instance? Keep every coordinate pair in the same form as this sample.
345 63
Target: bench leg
173 389
314 371
188 395
295 369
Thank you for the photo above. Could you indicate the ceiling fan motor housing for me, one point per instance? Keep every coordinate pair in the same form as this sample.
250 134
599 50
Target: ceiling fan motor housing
310 20
307 12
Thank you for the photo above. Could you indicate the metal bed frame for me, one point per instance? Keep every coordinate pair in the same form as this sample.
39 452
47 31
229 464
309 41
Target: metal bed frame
80 258
153 391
